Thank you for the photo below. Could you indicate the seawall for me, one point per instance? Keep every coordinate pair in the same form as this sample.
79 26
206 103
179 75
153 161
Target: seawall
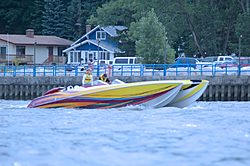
221 88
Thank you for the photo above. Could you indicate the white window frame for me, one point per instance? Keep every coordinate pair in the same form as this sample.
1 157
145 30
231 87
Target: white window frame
101 36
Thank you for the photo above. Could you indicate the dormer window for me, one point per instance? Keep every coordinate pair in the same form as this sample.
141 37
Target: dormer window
100 35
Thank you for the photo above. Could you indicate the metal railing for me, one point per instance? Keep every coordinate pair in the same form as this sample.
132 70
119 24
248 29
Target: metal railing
123 70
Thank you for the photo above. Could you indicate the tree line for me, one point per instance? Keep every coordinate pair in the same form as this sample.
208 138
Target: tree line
194 27
47 17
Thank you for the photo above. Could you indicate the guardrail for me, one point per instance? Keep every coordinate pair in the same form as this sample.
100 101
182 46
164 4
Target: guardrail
124 70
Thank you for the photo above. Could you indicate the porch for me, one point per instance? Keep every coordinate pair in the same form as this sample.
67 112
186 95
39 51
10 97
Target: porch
29 59
12 58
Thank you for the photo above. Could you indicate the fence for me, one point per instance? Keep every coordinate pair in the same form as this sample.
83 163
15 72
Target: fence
124 70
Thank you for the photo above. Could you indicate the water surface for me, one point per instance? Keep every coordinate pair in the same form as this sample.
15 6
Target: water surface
202 134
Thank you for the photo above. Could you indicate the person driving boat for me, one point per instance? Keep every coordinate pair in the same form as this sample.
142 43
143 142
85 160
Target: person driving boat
104 78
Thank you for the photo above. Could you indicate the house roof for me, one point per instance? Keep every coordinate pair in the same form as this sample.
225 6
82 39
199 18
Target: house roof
103 45
111 30
41 40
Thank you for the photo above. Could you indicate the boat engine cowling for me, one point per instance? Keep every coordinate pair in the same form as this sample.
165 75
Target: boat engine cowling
54 90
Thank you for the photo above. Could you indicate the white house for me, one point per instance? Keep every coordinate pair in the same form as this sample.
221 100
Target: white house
47 49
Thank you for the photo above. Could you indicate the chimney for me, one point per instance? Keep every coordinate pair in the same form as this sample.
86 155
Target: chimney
30 33
88 28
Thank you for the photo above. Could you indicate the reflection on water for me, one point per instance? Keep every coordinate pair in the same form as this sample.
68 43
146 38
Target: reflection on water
205 133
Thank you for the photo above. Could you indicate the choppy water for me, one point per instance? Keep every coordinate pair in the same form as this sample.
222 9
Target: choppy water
203 134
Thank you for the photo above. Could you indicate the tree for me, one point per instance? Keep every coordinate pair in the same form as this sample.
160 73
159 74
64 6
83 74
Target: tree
243 28
150 37
15 16
88 8
54 18
37 16
124 42
71 20
119 12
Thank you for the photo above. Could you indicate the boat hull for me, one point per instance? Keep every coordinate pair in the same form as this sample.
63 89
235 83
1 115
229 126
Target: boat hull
191 91
110 96
155 94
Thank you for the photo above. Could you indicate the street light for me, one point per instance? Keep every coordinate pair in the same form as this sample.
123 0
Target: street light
239 55
165 50
98 59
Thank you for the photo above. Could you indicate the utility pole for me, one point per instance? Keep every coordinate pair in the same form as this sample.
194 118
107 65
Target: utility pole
239 66
98 58
35 53
165 56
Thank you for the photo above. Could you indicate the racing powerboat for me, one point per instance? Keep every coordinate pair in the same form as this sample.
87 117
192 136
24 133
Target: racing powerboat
156 94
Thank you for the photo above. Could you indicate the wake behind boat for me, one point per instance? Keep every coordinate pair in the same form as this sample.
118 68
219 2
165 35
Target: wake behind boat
156 94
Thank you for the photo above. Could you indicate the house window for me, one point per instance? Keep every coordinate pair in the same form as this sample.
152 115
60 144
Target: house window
20 50
100 35
79 57
108 56
3 52
131 61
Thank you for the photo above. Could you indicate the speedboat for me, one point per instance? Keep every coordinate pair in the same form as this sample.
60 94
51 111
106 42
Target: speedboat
155 94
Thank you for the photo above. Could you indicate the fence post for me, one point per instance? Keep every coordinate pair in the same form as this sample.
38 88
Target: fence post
239 69
34 71
164 69
54 71
14 71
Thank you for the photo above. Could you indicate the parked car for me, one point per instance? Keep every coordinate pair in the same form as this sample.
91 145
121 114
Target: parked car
126 63
70 68
185 62
244 61
223 64
209 60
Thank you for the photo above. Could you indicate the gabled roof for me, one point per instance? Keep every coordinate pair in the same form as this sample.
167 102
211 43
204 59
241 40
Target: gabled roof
103 46
41 40
111 30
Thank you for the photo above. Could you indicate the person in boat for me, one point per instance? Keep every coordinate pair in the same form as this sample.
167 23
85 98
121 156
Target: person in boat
87 79
104 78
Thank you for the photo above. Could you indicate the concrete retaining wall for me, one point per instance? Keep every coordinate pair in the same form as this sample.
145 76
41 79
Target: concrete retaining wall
221 88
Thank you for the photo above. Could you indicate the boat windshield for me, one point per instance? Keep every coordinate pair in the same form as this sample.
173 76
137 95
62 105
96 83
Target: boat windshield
99 82
117 81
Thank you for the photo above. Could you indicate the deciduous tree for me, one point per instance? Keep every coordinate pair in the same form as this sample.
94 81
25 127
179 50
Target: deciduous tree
150 37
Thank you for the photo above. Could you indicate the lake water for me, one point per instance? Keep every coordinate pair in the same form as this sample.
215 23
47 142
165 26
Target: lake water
202 134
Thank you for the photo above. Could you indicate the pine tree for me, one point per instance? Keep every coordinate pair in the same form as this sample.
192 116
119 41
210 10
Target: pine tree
54 18
37 16
71 20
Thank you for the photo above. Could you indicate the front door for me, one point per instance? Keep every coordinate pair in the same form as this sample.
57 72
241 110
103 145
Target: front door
50 51
90 57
